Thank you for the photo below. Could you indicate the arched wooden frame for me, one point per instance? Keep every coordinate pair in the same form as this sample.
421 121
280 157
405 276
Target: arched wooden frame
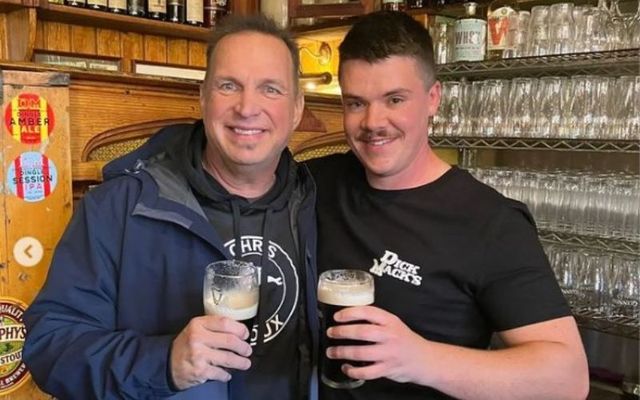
125 134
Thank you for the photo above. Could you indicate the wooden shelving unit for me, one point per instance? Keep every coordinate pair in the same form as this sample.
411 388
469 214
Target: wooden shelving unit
125 23
10 5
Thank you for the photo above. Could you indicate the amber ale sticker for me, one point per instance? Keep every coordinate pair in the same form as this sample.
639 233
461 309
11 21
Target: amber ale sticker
29 118
13 371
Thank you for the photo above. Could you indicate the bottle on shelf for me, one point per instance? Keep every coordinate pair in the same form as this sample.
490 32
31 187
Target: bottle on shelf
136 8
194 13
393 5
414 4
117 6
498 16
157 9
214 11
175 11
277 11
469 33
100 5
75 3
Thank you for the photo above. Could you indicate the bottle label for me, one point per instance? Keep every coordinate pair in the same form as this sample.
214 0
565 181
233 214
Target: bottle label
221 3
158 6
498 26
470 40
194 11
118 4
102 3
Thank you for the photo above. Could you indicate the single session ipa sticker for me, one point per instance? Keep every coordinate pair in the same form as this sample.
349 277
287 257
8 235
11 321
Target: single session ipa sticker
32 176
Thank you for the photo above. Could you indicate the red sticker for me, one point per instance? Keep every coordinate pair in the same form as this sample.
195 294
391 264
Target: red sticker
29 118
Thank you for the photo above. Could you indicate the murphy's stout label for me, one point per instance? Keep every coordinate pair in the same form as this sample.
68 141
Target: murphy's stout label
13 371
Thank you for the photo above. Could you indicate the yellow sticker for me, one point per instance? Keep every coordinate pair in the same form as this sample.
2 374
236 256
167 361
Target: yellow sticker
29 118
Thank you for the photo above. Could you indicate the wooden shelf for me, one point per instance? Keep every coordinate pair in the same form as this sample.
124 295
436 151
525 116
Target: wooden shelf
327 10
78 74
124 23
10 5
334 28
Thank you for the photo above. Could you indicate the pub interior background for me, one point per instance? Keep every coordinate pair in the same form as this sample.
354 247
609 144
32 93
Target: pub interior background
551 118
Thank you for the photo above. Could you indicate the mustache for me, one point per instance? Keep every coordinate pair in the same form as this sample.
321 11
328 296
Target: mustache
374 135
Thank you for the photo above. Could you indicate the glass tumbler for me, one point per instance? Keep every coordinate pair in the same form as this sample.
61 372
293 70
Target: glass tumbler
539 31
561 28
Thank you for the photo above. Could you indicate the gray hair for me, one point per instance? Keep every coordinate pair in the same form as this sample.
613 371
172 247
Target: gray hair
253 23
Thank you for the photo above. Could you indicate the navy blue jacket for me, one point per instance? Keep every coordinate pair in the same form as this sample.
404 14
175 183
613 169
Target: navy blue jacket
126 278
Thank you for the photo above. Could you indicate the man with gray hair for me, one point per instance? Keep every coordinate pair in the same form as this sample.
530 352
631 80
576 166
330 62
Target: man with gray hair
121 313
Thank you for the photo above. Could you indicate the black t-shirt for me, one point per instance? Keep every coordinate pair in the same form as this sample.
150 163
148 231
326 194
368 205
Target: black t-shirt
454 259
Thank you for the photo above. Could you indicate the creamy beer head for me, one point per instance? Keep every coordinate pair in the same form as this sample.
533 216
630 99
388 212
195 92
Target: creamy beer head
337 289
231 289
236 304
346 288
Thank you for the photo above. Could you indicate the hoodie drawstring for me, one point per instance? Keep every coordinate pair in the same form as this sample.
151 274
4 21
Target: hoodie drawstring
235 210
262 310
264 260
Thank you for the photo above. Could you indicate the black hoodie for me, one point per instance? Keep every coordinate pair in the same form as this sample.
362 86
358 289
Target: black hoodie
268 219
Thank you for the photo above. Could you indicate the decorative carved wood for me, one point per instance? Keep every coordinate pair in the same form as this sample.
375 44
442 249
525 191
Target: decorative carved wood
319 141
134 131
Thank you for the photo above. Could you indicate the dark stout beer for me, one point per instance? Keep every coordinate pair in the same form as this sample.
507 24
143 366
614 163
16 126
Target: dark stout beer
338 289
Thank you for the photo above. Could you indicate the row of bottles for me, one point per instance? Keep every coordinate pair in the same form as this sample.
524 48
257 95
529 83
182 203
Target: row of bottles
402 5
193 12
508 32
474 38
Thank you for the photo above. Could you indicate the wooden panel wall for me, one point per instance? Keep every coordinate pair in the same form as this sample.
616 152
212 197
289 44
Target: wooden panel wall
41 222
4 48
89 41
96 107
16 34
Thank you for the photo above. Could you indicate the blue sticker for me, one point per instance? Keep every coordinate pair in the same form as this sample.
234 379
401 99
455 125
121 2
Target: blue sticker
32 176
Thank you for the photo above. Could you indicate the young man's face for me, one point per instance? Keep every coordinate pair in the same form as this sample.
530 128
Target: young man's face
386 117
249 102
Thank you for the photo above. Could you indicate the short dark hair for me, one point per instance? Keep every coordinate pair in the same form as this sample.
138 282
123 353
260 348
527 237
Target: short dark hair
253 23
382 34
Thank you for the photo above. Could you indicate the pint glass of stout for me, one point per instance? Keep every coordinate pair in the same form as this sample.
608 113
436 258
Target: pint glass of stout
337 289
232 289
